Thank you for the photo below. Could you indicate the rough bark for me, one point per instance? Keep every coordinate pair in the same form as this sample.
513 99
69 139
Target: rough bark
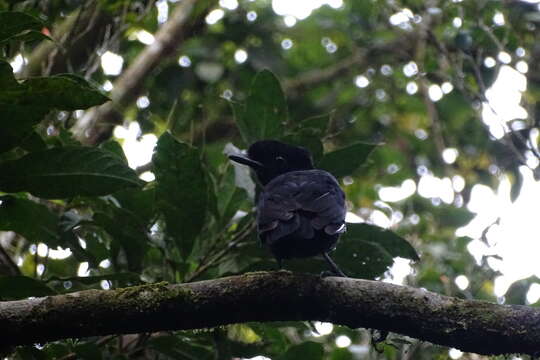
188 17
474 326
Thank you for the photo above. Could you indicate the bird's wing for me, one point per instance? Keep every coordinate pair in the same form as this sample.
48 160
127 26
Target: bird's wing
276 211
301 204
326 201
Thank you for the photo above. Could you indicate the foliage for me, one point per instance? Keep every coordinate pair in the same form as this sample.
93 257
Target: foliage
340 83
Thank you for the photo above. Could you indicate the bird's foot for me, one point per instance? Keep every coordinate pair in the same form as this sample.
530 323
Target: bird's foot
336 270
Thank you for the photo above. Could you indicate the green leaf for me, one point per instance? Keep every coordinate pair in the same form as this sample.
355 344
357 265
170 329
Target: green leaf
20 287
366 251
307 350
181 190
347 160
95 250
17 124
341 354
29 219
68 239
316 125
245 351
62 92
177 348
88 351
115 148
310 142
7 80
239 112
28 36
55 350
242 333
140 204
451 216
23 105
29 352
12 23
265 111
33 142
67 172
127 233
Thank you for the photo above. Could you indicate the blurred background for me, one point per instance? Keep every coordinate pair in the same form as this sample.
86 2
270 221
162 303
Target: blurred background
450 88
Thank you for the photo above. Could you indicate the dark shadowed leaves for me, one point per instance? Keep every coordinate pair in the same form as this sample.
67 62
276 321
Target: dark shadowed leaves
316 125
33 142
140 204
307 350
20 287
115 148
310 142
13 23
177 348
24 104
67 172
62 92
87 351
17 124
181 190
29 37
347 160
29 219
366 251
8 84
265 111
126 233
69 239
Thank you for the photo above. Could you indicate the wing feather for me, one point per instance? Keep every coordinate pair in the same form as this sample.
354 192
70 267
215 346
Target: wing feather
301 202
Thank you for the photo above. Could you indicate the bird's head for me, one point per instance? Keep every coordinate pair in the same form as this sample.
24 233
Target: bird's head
271 158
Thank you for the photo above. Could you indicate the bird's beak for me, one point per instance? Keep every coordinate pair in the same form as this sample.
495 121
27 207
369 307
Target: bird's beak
255 165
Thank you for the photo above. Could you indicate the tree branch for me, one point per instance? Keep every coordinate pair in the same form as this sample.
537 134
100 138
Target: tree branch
360 58
474 326
97 123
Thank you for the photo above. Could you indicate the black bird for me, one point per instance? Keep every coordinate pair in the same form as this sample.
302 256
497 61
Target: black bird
301 210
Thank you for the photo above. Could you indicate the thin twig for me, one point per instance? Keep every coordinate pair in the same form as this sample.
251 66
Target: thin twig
239 236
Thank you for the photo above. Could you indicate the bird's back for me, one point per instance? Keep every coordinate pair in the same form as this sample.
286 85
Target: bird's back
301 213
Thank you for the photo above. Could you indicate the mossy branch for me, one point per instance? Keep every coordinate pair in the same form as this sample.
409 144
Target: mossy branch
474 326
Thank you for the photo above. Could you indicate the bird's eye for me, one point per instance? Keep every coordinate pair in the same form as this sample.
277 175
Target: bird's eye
281 162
